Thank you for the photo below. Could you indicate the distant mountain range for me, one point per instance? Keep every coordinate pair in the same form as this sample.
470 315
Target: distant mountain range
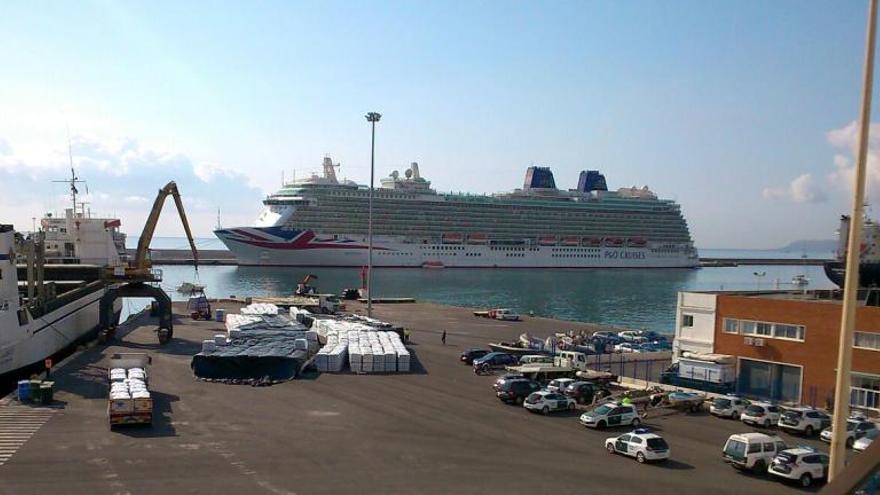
810 245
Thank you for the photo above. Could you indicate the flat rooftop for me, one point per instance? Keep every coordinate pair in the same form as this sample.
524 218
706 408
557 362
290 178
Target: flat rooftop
830 296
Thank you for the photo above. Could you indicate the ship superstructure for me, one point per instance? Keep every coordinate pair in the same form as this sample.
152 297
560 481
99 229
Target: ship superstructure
321 221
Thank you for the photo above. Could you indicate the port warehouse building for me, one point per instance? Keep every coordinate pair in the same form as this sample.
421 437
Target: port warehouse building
785 343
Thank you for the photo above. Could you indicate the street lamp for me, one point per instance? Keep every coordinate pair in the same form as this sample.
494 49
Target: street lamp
372 118
758 277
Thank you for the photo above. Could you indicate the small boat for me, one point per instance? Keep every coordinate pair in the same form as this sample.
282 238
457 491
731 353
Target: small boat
800 280
547 240
515 348
613 241
432 264
189 288
571 241
477 239
592 241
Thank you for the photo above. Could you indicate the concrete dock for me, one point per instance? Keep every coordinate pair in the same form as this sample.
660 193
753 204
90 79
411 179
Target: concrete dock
437 430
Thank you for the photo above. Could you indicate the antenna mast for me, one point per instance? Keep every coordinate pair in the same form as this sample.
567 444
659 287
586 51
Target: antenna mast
74 180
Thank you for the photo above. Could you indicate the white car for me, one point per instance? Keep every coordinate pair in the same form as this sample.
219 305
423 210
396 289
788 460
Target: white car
803 464
863 443
611 414
752 451
728 407
506 315
856 428
761 414
545 402
641 444
804 420
559 384
626 347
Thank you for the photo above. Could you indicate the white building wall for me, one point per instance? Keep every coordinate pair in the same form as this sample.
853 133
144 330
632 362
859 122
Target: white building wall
699 337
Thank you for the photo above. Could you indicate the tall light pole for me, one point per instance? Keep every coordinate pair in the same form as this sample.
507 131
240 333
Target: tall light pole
842 382
372 118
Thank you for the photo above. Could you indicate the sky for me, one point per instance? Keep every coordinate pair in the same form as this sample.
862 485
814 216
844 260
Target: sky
743 112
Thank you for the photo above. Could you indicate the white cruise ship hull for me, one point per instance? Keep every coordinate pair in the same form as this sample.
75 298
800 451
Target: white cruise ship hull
273 246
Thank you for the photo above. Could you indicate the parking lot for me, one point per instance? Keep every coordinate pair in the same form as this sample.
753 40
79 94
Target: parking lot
438 430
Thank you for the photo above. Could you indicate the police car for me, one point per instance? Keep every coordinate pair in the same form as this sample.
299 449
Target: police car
805 420
804 464
641 443
761 414
611 414
728 407
856 428
546 402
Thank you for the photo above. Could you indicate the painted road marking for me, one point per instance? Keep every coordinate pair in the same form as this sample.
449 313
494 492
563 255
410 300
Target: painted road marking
17 425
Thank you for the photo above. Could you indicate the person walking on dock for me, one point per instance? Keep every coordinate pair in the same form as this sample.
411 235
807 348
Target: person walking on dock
443 337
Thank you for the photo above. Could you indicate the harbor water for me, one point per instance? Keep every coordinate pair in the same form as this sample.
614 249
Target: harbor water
630 298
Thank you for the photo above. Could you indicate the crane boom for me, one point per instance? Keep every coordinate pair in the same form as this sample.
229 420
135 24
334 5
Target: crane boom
141 262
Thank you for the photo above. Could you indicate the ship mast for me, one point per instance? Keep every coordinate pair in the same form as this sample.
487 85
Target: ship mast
74 180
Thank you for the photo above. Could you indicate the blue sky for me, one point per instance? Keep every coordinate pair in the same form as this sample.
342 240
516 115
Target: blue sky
741 111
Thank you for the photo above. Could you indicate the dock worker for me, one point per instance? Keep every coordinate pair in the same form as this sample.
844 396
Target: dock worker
443 337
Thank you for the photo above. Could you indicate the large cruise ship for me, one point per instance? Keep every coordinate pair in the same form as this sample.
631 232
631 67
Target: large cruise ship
321 221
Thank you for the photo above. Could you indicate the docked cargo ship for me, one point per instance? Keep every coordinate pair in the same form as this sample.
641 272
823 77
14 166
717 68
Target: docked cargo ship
321 221
869 255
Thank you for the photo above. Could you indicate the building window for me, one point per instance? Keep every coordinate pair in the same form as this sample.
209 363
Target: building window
687 320
865 391
795 332
764 329
731 325
747 327
867 340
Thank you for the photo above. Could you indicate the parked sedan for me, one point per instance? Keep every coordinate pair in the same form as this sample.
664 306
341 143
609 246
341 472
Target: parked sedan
761 414
641 444
584 392
856 428
468 355
496 360
499 382
545 402
863 443
516 390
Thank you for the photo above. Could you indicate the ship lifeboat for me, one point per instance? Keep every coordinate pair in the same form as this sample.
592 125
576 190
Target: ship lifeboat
432 264
547 240
592 241
571 241
452 238
613 241
477 239
636 242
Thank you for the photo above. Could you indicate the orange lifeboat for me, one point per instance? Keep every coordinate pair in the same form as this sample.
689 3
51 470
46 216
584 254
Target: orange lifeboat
547 240
636 242
571 241
592 241
613 241
452 238
477 239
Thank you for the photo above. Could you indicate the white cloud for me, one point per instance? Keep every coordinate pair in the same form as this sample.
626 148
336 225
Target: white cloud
122 179
802 189
846 140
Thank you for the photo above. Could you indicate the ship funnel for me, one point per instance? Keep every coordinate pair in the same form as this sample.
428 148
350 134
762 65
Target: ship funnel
415 170
539 178
329 170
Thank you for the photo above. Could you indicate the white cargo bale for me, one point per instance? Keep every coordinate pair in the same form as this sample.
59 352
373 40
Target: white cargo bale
235 333
403 361
220 339
209 346
300 344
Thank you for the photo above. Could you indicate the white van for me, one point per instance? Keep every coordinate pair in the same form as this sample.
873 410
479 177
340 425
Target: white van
571 359
536 359
752 451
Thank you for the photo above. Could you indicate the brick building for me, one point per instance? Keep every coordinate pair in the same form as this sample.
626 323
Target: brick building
785 343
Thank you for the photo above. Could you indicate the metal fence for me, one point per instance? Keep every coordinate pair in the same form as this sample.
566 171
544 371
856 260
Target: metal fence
631 365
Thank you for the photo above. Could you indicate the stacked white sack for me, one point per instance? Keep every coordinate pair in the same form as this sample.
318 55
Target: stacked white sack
259 309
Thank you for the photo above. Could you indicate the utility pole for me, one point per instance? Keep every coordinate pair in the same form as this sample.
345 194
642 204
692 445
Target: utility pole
372 118
853 251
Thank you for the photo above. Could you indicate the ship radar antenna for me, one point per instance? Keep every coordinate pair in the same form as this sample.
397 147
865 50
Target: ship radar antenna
74 180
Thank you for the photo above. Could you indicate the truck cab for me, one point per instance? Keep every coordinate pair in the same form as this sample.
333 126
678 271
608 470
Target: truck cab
571 359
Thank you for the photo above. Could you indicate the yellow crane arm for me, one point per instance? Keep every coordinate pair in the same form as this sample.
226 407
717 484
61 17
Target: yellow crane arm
140 261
